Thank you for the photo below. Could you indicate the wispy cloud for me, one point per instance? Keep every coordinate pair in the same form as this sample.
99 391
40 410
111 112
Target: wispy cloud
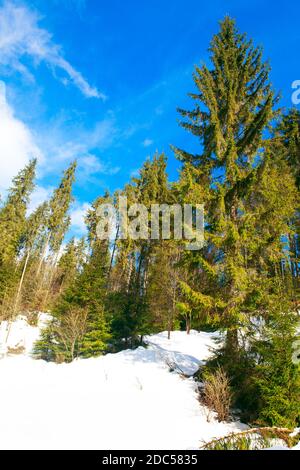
78 214
134 173
54 150
90 164
147 142
22 37
39 195
67 143
17 143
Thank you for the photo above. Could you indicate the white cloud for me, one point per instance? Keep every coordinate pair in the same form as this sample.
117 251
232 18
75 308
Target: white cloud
135 173
78 214
21 37
39 195
54 150
147 142
67 143
17 143
90 164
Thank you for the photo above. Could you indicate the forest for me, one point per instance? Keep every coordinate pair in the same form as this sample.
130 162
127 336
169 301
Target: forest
105 296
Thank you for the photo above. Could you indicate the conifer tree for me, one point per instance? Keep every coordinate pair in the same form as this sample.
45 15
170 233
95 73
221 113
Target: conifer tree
13 227
57 226
69 264
132 317
289 130
288 134
80 326
274 381
250 197
35 225
233 106
59 206
163 287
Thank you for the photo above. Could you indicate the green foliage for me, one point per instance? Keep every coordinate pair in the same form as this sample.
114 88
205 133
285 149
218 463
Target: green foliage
252 439
130 320
276 377
13 213
59 221
108 294
13 228
247 183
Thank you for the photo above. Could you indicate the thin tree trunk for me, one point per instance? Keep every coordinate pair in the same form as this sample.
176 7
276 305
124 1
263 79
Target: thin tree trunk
21 283
18 294
50 280
113 251
232 343
8 331
43 255
129 273
188 324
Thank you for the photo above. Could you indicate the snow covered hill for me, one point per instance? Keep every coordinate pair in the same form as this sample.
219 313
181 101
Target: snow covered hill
128 400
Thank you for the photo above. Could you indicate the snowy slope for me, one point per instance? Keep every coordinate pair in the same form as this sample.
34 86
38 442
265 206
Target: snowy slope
128 400
19 334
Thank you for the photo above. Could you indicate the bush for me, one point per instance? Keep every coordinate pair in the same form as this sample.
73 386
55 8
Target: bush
276 376
216 393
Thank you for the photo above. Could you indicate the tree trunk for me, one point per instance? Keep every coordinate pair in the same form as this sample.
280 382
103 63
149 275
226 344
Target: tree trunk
21 283
113 252
188 324
50 279
232 343
43 255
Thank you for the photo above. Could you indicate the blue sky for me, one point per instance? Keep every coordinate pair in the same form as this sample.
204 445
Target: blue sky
100 81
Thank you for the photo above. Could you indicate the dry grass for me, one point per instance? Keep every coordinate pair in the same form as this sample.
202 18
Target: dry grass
216 394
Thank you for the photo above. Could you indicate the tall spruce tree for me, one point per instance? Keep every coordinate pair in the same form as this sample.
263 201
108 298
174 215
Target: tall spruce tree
130 302
57 226
80 326
13 227
234 104
249 194
288 134
35 225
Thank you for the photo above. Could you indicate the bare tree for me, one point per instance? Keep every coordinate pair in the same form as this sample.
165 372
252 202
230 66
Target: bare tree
72 328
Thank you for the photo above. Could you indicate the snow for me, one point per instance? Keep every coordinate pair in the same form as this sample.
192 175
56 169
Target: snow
19 334
128 400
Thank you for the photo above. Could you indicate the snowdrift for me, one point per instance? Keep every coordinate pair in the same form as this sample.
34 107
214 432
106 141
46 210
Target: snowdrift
128 400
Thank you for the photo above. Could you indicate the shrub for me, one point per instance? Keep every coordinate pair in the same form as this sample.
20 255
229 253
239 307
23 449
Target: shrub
216 393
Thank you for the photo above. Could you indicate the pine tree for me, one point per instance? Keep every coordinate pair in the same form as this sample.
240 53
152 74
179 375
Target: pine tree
70 263
250 198
13 213
288 135
92 296
80 326
276 379
237 101
59 206
289 130
35 225
137 261
57 226
162 287
13 227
